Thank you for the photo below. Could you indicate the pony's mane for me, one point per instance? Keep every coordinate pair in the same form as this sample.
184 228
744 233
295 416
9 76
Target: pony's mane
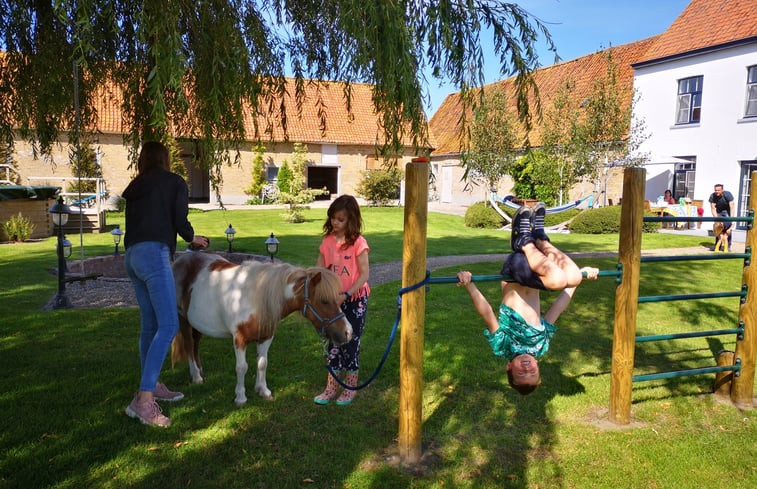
269 282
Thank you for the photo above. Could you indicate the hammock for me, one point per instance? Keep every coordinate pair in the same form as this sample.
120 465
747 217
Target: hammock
508 201
495 199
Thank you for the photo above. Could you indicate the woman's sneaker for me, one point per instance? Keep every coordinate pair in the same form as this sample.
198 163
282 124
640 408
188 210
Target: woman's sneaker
521 233
148 413
537 222
163 394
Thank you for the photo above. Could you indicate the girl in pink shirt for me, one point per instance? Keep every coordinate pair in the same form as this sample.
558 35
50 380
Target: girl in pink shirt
345 252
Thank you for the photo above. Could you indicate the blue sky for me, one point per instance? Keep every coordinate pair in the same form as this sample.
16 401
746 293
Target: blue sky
580 27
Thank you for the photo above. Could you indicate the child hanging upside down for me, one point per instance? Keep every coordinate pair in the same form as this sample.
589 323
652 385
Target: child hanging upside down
520 334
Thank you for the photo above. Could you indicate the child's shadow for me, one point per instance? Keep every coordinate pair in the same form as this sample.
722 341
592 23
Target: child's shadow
499 430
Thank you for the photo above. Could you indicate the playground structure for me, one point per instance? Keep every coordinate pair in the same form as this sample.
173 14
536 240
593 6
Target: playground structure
627 300
735 371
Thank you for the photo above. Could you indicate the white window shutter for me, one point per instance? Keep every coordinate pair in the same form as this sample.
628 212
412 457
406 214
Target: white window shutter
684 106
751 102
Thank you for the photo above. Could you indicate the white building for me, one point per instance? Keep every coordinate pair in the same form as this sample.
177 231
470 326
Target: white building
697 89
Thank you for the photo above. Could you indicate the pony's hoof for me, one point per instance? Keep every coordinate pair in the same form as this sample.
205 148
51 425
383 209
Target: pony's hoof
240 403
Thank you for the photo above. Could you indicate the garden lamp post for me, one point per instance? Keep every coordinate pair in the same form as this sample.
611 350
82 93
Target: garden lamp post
272 245
60 212
116 233
230 232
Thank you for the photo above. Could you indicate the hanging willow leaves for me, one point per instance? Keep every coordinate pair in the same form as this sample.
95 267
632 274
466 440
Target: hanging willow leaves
195 69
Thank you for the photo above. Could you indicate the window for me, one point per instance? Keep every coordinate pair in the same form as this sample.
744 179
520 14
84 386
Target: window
689 100
747 167
271 173
751 92
684 176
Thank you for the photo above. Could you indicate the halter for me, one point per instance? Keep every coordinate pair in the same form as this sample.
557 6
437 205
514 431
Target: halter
308 306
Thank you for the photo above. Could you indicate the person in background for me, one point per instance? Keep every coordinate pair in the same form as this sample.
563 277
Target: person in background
723 205
344 250
669 197
157 204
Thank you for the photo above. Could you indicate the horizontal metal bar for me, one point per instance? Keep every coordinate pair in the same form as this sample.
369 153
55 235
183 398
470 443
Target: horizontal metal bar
685 297
709 256
697 219
493 278
693 334
683 373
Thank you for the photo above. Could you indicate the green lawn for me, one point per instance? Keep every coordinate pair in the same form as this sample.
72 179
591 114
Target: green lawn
67 376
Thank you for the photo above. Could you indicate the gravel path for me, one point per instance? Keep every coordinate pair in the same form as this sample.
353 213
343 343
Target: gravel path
112 290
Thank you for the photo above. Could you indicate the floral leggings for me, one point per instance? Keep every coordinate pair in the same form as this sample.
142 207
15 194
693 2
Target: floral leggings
347 356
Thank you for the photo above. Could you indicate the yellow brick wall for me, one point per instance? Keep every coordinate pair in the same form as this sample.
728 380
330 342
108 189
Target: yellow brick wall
351 160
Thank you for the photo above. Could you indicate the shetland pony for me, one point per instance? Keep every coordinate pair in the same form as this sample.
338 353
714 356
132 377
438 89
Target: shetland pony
246 303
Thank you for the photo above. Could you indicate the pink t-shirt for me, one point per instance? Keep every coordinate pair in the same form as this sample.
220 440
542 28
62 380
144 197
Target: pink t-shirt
343 262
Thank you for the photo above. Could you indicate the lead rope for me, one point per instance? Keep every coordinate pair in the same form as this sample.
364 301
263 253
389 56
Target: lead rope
391 338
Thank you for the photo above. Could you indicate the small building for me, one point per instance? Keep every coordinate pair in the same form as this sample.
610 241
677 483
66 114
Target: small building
340 147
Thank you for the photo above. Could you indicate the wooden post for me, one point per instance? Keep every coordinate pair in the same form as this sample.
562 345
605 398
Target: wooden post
413 311
627 295
722 387
742 388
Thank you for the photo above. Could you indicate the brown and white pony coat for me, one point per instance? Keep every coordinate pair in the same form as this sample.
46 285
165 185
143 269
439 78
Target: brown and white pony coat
246 303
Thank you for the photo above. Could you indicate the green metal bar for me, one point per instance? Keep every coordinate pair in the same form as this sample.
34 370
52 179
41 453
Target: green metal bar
493 278
682 373
711 256
697 219
693 334
685 297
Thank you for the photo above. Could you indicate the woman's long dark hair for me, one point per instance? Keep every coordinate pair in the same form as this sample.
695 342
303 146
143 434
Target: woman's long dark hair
154 155
349 205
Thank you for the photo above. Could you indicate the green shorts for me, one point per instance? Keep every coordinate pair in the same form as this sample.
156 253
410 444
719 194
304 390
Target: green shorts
515 336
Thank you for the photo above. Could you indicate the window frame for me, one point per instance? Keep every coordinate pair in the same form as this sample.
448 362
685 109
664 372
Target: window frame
750 105
689 100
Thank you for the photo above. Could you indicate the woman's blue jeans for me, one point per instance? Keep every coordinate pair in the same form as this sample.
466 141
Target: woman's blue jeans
149 267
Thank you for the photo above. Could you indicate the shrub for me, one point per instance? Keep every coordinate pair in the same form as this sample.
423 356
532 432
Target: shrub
18 228
284 178
604 220
258 175
481 215
380 187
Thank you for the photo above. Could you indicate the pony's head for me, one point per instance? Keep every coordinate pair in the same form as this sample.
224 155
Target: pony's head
320 291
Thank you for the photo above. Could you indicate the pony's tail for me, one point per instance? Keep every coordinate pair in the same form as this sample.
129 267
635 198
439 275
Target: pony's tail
178 352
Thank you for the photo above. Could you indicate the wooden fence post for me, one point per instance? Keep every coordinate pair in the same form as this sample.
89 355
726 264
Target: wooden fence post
742 388
627 295
413 311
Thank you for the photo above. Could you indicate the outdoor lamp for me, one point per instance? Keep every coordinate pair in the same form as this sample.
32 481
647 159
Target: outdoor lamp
116 233
272 245
67 248
60 212
230 232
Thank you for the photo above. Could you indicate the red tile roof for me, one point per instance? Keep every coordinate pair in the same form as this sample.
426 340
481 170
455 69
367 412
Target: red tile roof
704 24
582 72
359 126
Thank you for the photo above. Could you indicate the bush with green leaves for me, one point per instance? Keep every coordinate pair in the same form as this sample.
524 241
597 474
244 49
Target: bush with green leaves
284 182
380 187
482 215
604 220
18 228
258 174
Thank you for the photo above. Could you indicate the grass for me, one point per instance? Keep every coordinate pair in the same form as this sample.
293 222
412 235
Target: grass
67 376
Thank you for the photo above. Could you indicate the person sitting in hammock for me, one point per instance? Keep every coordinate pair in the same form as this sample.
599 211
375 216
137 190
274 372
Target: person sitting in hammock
520 334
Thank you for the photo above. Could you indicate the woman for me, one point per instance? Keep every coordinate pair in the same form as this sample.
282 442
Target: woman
157 204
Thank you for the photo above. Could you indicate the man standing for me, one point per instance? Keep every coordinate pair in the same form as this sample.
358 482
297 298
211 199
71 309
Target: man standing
722 205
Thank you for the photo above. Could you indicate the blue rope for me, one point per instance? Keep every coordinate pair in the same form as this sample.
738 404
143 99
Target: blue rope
391 337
